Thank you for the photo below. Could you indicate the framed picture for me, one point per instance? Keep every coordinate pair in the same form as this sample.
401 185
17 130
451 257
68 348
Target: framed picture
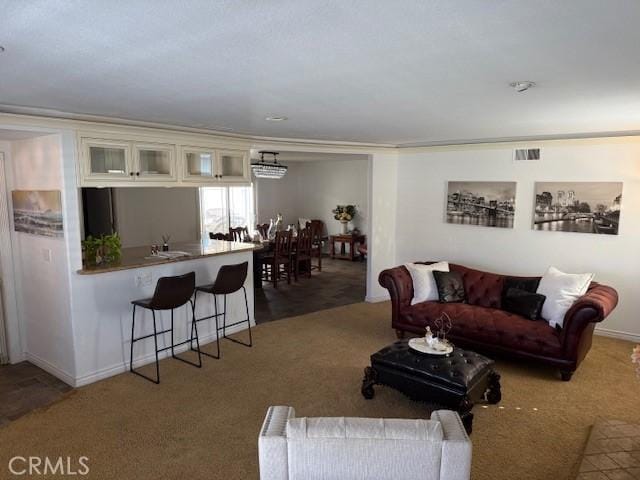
38 212
487 204
583 207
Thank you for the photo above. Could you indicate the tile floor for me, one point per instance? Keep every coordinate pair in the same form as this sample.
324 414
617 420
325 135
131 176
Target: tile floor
25 387
341 282
612 452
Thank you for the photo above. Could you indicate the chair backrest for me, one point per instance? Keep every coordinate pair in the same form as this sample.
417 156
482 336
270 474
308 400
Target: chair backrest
238 234
230 278
303 244
173 292
263 229
219 236
317 230
282 247
315 448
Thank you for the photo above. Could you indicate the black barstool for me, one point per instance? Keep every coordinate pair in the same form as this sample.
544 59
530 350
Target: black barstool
170 293
230 279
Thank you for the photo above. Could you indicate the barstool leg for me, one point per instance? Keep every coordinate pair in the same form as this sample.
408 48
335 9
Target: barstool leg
215 310
155 341
246 304
173 354
194 326
133 326
224 318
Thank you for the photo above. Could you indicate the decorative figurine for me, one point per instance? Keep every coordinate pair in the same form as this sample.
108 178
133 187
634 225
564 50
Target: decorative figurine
429 338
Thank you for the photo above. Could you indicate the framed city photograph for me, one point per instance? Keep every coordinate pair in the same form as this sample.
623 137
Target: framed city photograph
487 204
583 207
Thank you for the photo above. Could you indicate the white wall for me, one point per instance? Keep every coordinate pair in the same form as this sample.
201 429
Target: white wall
383 193
144 214
422 233
43 286
311 189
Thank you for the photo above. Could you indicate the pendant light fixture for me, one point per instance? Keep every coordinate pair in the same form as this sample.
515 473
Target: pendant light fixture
266 169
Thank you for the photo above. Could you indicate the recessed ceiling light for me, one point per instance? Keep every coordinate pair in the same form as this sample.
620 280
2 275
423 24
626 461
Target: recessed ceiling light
275 118
522 85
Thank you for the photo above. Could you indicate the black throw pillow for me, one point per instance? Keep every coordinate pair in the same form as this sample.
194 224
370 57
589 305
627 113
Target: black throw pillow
450 287
527 284
523 303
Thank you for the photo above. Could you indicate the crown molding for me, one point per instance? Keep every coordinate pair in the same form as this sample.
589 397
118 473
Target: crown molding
50 120
418 146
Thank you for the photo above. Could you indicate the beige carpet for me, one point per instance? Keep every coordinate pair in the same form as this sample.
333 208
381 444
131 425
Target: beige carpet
203 424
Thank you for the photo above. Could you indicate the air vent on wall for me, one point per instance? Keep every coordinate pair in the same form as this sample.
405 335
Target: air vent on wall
526 154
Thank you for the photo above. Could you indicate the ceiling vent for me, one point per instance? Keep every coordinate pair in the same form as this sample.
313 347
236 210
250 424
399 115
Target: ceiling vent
524 154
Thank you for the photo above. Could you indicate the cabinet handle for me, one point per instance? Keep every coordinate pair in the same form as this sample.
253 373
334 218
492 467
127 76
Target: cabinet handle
138 174
131 173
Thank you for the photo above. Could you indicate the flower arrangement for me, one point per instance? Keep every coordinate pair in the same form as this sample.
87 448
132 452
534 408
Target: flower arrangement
344 213
635 358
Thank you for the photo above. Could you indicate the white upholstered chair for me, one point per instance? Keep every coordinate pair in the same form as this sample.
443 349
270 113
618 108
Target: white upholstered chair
342 448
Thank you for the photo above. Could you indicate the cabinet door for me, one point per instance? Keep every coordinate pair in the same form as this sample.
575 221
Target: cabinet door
105 160
154 162
233 166
198 165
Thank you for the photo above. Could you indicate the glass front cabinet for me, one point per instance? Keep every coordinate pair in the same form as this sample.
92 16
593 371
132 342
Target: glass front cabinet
108 162
105 160
207 165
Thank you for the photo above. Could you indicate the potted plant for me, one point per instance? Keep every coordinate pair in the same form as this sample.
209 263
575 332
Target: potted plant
344 214
102 250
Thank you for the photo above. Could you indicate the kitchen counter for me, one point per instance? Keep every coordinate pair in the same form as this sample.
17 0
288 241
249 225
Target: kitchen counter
138 257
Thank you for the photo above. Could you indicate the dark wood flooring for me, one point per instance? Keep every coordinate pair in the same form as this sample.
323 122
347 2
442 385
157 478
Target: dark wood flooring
339 283
25 387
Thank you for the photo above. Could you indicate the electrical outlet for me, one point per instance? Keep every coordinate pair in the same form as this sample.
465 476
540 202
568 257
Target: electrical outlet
46 254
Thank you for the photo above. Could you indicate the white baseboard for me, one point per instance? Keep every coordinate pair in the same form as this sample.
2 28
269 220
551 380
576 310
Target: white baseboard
606 332
118 368
66 377
381 298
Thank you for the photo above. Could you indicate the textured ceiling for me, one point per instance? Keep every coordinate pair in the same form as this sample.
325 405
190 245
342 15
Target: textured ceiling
370 70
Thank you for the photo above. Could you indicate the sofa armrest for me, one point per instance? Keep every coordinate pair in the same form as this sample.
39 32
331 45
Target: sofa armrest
400 285
272 444
456 446
593 306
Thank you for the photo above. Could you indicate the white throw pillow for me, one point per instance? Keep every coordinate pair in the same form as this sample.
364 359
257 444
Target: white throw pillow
562 290
424 285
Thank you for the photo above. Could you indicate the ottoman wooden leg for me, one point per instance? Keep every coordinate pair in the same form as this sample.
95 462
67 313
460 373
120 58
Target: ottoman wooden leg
493 393
369 380
464 410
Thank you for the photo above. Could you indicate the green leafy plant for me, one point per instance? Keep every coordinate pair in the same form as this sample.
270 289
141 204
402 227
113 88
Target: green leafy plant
103 249
344 213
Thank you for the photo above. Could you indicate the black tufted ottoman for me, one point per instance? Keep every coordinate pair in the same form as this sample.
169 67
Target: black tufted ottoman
456 381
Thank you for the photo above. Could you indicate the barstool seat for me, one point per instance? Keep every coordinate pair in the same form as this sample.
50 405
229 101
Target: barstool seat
170 293
230 279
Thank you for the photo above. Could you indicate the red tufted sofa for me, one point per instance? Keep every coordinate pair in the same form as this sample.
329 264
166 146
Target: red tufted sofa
481 324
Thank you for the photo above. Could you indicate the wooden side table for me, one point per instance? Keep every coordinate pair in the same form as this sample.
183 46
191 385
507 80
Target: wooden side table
344 240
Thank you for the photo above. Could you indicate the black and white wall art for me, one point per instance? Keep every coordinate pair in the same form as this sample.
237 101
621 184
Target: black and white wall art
488 204
584 207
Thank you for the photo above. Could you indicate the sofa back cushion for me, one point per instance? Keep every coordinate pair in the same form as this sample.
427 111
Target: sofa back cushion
482 288
363 448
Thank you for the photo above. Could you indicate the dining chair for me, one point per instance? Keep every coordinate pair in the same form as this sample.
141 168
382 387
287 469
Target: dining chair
238 234
219 236
317 231
263 229
302 253
281 257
